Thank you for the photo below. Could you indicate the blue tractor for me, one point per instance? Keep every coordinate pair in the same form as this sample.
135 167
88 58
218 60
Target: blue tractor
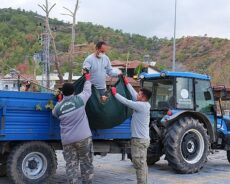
186 119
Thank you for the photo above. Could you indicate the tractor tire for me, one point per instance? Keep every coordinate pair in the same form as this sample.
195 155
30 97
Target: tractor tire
186 145
155 149
3 160
31 162
228 155
154 153
129 156
151 160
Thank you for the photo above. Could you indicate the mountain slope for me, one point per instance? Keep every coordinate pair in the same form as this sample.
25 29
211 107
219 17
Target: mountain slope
21 30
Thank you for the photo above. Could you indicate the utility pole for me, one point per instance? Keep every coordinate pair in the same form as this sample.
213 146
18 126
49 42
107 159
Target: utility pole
46 58
47 48
174 40
126 65
49 37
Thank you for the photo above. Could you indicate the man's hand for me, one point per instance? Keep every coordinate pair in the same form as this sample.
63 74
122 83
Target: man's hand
59 97
84 71
87 76
125 79
114 91
119 73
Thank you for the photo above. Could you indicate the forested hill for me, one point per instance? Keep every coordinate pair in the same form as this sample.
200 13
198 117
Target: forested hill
20 32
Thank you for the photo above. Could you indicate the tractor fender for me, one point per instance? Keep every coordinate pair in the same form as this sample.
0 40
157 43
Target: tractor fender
167 120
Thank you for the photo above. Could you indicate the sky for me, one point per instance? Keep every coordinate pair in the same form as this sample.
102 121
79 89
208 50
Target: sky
145 17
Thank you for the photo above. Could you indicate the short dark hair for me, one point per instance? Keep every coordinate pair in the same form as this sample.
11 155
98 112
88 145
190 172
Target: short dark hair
99 44
67 89
147 93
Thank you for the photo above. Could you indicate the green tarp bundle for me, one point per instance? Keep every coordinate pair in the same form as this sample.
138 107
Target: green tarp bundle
109 114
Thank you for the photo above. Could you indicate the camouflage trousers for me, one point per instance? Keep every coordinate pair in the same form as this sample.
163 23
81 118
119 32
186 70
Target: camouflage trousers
79 153
139 155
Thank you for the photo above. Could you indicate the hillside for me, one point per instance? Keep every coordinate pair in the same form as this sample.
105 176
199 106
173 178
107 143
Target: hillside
20 32
201 54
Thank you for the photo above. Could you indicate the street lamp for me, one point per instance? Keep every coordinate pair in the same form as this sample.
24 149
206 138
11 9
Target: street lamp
174 40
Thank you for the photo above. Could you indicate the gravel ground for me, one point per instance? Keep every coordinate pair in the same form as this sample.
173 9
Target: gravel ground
110 169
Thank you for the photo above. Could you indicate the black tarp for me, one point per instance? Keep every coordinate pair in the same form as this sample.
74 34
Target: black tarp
109 114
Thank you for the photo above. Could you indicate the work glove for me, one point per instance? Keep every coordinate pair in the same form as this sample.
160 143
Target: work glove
87 76
125 79
114 91
59 97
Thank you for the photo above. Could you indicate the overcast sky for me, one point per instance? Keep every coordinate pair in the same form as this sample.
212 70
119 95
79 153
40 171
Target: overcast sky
145 17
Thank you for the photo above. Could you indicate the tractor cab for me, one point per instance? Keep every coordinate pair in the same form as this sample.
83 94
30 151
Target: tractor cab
184 123
179 92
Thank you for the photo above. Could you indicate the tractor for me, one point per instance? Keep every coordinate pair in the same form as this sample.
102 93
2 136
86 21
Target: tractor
187 119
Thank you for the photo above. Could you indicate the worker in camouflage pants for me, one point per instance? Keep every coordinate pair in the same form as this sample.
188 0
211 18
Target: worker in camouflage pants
139 155
79 153
76 135
139 127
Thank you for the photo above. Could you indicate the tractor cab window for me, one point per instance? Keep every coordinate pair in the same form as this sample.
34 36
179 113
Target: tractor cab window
162 93
204 97
184 95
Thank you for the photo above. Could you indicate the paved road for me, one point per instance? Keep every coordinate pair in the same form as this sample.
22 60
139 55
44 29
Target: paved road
111 170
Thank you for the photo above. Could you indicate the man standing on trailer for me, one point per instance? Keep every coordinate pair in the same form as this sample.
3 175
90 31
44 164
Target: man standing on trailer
98 64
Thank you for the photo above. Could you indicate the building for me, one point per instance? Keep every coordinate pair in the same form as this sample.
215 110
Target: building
130 66
54 79
14 83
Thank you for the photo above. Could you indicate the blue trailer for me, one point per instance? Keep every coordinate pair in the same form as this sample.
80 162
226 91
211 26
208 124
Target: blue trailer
29 136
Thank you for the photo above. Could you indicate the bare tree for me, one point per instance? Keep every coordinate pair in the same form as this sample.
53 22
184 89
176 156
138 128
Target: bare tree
47 10
72 45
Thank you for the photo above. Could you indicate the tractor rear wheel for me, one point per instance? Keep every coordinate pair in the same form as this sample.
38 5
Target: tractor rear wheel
186 145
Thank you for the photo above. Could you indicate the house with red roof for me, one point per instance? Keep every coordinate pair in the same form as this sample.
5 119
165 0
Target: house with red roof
130 66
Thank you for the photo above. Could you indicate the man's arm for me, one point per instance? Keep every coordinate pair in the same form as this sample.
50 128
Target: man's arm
86 93
86 64
132 91
110 71
130 88
54 111
129 103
